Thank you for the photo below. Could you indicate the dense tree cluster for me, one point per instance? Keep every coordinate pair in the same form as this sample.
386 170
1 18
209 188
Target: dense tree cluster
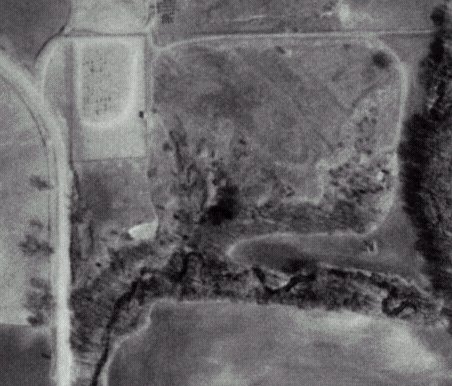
426 155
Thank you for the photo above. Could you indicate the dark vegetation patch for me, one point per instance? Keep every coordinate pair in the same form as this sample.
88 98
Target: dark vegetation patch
39 302
426 154
111 306
438 15
381 59
40 182
226 207
33 246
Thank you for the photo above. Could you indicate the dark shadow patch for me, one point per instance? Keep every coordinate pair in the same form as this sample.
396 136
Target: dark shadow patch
381 60
226 208
39 182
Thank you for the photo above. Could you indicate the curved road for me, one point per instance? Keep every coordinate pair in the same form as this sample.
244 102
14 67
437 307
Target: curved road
60 262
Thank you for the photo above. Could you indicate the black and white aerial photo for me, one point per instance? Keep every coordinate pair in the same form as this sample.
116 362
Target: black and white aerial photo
225 192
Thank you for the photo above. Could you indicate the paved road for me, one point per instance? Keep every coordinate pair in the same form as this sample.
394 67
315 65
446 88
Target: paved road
23 83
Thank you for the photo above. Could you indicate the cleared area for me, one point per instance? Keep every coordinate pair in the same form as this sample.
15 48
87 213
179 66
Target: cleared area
97 85
218 343
108 96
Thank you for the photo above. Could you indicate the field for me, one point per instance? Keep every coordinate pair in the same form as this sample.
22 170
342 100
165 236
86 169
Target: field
24 356
113 198
179 20
25 213
303 142
110 16
220 343
108 96
26 25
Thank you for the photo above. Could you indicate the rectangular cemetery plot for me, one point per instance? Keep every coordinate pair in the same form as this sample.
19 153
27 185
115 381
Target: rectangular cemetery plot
108 98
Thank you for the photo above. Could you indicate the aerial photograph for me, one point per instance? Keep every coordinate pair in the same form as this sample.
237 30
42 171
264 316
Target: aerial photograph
226 192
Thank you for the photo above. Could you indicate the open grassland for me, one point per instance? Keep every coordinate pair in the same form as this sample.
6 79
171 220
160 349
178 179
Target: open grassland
294 141
390 248
25 191
179 19
110 16
24 356
26 25
113 196
387 15
235 344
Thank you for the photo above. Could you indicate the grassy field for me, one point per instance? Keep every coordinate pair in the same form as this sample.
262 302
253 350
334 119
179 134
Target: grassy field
113 196
292 131
388 15
29 24
25 211
109 16
390 248
220 343
178 19
24 356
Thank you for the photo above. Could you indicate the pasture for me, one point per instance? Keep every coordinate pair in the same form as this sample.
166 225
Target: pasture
25 356
179 20
25 212
305 125
27 25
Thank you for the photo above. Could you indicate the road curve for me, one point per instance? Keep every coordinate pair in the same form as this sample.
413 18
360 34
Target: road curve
51 133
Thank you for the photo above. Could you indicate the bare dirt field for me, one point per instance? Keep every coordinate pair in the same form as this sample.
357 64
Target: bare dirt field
26 25
219 343
179 20
25 190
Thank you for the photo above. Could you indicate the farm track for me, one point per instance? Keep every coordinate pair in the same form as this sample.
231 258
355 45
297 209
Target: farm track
302 36
375 38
